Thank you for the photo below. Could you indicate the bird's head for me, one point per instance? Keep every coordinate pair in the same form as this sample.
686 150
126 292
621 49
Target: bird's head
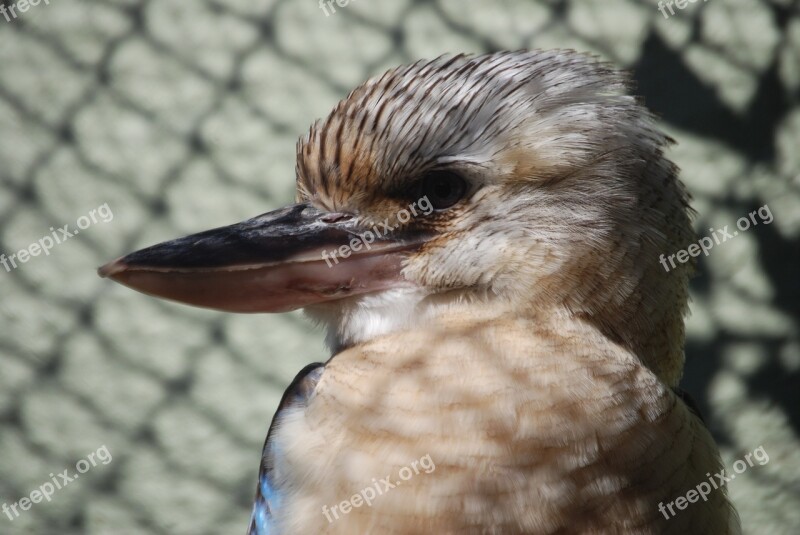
521 182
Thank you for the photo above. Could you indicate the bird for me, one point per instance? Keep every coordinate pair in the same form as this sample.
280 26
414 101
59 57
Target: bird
479 236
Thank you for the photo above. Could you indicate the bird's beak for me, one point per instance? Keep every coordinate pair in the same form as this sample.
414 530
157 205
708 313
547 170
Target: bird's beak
278 261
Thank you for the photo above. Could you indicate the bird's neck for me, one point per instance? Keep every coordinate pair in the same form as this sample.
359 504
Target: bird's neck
655 337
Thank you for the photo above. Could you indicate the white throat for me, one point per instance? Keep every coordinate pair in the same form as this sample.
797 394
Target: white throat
364 317
352 321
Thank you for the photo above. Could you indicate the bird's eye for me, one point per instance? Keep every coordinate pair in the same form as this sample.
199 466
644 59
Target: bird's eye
442 188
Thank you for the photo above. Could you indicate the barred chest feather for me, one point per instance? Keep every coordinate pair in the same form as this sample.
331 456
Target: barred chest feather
518 428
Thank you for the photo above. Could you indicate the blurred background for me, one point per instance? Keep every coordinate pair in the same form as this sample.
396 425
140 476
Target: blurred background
182 116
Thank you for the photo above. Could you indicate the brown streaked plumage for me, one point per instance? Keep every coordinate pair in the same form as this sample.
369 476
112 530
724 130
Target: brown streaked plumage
523 334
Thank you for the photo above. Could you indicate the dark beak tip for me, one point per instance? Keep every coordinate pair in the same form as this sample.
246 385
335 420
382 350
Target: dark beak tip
112 268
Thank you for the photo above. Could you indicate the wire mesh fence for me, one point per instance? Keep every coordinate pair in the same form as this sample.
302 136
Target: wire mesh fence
181 116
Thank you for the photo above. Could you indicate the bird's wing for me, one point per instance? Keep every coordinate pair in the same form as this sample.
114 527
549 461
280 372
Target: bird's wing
268 495
690 402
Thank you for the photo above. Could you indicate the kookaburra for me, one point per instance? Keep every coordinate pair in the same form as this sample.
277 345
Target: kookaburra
480 236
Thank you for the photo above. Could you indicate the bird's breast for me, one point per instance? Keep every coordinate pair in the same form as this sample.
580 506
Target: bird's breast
523 431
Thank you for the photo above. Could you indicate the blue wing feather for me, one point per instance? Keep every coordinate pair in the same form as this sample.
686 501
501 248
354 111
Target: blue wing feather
268 496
